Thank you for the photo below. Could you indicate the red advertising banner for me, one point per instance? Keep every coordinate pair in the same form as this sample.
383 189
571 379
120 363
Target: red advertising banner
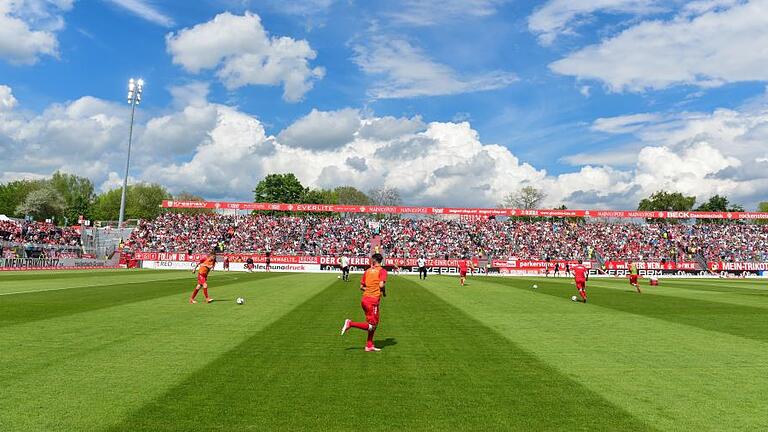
478 212
624 265
289 259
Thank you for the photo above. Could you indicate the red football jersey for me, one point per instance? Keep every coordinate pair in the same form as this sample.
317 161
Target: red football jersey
579 273
463 265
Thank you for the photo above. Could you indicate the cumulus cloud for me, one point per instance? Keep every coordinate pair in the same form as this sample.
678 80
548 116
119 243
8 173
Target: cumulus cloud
28 29
7 101
220 152
322 130
243 53
404 71
706 45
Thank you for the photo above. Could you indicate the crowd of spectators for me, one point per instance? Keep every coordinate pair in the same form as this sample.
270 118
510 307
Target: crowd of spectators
440 238
38 233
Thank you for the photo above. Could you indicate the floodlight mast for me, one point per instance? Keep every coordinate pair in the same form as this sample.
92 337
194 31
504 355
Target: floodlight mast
135 88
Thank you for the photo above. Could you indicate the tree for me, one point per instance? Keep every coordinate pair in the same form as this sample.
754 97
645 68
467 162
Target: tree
77 193
279 188
43 203
527 198
763 207
319 196
348 195
718 203
385 196
142 201
14 193
187 196
667 201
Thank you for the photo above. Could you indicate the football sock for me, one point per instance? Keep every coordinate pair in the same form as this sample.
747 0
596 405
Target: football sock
205 292
583 294
360 325
194 293
369 341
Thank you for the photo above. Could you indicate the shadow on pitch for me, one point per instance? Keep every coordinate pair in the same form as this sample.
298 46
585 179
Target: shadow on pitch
383 343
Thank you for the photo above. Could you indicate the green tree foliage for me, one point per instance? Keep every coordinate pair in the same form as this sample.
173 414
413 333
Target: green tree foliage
12 194
142 202
763 207
77 193
718 203
42 204
280 188
320 196
348 195
667 201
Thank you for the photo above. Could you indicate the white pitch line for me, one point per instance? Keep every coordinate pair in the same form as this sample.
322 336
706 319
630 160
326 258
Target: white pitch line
86 286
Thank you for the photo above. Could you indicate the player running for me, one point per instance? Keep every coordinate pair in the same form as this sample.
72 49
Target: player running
633 275
373 287
581 276
203 268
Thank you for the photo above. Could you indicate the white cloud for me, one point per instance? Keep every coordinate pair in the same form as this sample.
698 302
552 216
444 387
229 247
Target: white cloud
145 10
433 12
624 124
220 152
243 53
405 71
7 101
559 17
322 130
28 29
720 46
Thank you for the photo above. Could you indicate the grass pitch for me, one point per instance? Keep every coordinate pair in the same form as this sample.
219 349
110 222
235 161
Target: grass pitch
123 351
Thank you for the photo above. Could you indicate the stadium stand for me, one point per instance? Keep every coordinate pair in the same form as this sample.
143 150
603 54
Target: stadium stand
440 238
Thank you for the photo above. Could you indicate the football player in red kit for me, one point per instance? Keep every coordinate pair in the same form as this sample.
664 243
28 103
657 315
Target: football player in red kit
463 264
203 268
580 276
373 287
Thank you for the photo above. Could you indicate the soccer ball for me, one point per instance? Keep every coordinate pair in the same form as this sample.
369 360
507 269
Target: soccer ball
338 277
535 286
240 300
573 298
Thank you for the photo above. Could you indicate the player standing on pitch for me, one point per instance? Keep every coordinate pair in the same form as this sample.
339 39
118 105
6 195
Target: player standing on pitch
580 276
344 264
633 275
422 268
463 264
373 287
203 268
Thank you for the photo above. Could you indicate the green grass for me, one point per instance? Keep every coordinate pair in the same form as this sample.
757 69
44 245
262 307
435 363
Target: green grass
123 351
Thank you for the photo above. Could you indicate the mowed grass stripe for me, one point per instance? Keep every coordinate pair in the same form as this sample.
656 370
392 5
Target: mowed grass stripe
673 376
36 306
737 320
440 370
85 372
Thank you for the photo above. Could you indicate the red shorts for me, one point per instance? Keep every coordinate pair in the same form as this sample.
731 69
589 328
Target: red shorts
371 308
202 278
633 279
462 273
580 285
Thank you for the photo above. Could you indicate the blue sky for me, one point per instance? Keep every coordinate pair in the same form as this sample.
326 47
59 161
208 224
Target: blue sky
598 102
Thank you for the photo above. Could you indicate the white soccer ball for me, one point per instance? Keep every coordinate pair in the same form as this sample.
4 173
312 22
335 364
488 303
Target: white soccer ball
535 286
338 277
240 300
573 298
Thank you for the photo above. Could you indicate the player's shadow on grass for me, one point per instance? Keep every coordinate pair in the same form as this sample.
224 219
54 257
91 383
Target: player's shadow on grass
383 343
